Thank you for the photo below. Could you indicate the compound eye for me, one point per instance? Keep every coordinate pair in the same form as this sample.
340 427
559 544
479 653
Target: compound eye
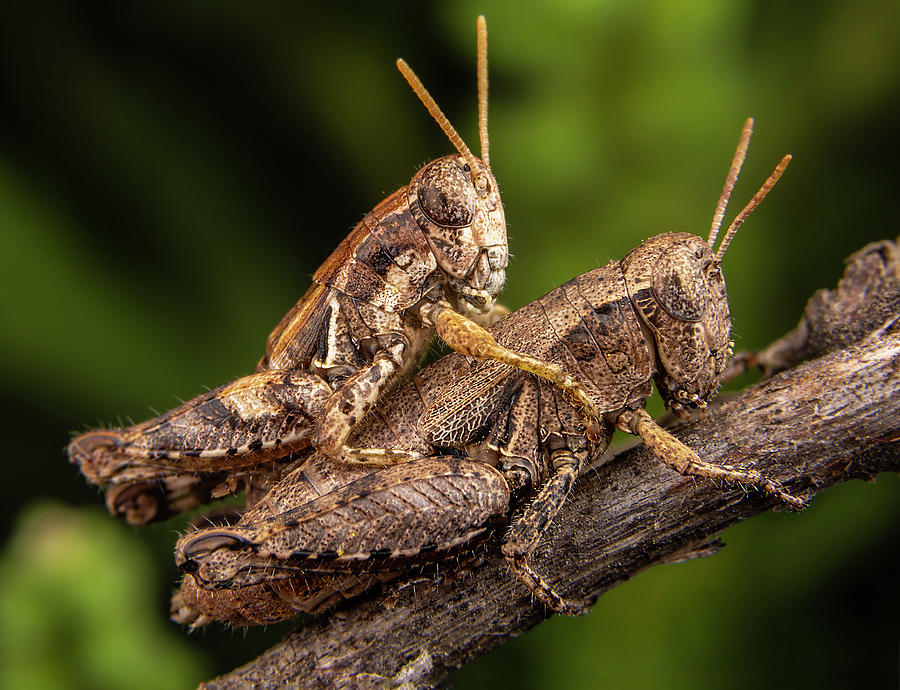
679 285
446 194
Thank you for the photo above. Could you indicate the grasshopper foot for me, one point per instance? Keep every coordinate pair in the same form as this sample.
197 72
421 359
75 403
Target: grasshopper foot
540 588
683 460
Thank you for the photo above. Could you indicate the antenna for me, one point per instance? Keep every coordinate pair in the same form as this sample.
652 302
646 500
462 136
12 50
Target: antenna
436 112
481 50
438 115
754 202
739 155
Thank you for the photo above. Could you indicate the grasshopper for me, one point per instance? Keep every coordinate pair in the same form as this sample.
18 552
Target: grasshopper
424 260
490 439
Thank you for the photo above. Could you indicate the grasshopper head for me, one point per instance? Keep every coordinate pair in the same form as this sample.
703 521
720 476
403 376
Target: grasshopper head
457 205
456 202
676 285
678 290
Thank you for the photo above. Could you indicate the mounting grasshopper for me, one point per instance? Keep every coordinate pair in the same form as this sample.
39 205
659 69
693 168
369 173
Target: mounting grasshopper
482 439
426 259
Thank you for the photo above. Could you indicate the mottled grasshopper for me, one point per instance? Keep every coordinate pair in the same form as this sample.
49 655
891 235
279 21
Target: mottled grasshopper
495 438
426 258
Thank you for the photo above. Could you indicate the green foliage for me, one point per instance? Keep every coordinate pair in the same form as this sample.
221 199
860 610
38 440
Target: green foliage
172 173
77 611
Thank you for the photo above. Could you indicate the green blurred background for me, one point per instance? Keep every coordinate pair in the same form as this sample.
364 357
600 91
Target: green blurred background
171 174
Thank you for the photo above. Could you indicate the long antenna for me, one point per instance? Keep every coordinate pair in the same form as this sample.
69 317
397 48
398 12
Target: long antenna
481 32
739 155
754 202
436 113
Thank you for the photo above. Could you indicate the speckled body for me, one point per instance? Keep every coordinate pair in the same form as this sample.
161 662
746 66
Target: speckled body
494 438
477 439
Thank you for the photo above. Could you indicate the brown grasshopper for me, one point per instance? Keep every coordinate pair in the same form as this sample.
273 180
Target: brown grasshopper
491 439
425 259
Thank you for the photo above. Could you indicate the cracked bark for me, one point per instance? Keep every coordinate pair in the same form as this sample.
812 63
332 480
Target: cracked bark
816 424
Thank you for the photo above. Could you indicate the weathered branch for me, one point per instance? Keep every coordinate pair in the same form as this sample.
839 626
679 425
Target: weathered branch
867 295
818 424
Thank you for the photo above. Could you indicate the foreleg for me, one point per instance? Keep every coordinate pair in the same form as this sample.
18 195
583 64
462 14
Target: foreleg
685 461
467 337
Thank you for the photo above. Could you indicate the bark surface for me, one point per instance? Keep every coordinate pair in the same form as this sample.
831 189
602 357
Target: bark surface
816 424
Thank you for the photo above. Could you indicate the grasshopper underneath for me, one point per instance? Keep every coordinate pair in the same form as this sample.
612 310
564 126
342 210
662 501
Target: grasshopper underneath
425 259
491 439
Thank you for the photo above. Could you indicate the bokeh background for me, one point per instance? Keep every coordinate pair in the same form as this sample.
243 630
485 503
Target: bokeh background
171 174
